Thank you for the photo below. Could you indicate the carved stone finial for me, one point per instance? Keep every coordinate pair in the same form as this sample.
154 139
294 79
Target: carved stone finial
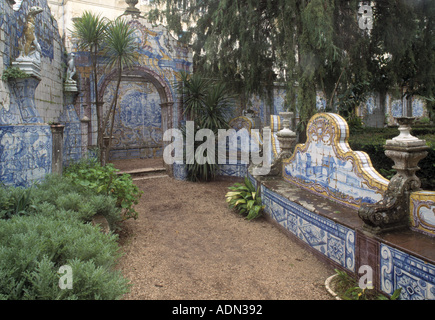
132 10
392 212
286 138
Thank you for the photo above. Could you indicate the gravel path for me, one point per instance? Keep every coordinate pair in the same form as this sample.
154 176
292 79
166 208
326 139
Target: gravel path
187 244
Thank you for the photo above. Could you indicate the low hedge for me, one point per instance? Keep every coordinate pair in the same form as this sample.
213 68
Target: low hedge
47 227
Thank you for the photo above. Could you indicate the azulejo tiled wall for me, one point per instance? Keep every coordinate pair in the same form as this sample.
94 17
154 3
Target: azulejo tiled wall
402 270
138 121
146 85
25 154
326 166
340 239
27 105
329 238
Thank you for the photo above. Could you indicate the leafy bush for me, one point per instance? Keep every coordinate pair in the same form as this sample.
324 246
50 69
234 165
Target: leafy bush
33 248
244 198
60 195
14 201
90 175
207 103
13 73
45 227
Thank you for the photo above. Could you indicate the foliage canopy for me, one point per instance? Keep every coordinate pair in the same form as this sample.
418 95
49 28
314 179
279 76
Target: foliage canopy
310 45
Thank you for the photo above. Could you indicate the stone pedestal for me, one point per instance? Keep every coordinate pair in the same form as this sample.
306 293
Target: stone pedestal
23 90
393 211
70 86
106 149
29 66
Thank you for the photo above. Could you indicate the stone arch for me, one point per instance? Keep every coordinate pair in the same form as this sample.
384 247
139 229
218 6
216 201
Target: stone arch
163 89
162 86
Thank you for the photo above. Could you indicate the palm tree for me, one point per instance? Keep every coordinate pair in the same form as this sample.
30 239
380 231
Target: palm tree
120 51
90 30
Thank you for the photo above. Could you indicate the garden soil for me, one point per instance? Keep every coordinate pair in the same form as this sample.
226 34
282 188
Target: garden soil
188 245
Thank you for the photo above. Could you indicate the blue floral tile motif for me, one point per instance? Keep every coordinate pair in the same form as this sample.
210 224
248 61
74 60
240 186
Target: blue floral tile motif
179 171
232 170
397 108
22 107
25 154
326 166
415 277
334 241
138 119
418 107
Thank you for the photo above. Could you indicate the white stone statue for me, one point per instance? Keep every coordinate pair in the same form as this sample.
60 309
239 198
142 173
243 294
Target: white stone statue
71 71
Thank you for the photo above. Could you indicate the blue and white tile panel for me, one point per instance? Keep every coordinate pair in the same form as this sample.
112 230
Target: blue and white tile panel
333 240
401 270
233 170
25 154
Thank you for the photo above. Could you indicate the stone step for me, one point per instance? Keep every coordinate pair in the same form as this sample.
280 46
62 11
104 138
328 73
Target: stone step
151 177
144 172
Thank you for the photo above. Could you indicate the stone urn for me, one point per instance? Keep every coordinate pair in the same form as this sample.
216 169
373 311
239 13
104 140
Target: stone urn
132 10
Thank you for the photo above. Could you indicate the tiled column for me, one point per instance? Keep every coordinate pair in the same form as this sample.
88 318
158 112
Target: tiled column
167 109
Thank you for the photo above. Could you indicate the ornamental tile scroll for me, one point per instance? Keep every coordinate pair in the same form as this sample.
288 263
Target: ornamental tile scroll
275 126
422 209
325 165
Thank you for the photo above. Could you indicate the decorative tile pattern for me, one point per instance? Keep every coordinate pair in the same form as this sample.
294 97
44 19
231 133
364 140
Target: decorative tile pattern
333 240
275 126
72 134
179 171
401 270
22 108
326 166
138 119
148 84
233 170
25 154
241 122
422 208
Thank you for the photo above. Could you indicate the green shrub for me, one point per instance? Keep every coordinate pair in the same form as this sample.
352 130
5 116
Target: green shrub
244 198
57 195
33 248
14 201
90 175
13 73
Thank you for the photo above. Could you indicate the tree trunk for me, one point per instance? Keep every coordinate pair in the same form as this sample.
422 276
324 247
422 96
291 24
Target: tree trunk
114 103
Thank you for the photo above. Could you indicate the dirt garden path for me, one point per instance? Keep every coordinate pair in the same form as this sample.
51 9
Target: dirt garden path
188 245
